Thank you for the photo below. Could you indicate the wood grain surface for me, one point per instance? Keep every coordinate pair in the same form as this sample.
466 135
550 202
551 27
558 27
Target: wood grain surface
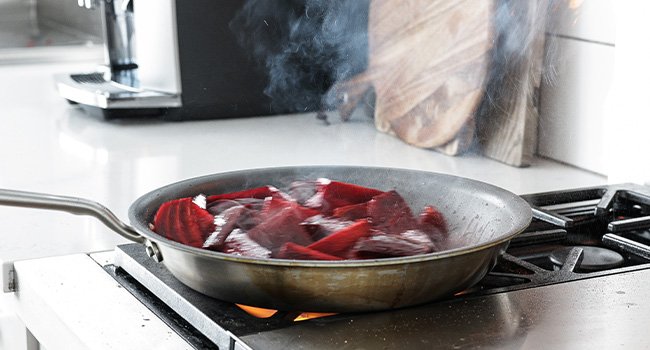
428 64
444 71
507 124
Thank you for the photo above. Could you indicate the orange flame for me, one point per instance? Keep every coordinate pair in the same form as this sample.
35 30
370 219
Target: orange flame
257 311
266 313
310 315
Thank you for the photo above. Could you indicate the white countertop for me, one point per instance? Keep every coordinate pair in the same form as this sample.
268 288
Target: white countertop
47 145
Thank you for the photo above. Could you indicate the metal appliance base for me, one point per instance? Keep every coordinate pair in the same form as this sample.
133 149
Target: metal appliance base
221 322
96 91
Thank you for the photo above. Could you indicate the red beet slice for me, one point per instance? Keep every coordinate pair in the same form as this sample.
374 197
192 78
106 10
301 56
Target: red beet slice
199 222
238 243
259 193
278 202
220 205
335 194
293 251
225 223
388 246
320 227
431 222
341 242
161 221
183 221
390 213
190 231
420 238
279 228
165 221
249 219
352 212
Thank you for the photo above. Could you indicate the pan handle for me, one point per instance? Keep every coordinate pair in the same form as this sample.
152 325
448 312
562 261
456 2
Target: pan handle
73 205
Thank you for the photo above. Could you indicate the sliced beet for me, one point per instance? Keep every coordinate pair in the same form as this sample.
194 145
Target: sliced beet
277 202
190 230
387 246
238 243
433 223
420 238
183 221
352 212
319 219
176 227
249 219
341 242
162 222
225 223
199 222
279 228
390 213
251 203
335 194
219 206
258 192
320 227
293 251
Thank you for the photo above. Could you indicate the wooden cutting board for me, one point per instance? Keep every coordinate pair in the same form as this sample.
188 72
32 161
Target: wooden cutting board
428 63
507 119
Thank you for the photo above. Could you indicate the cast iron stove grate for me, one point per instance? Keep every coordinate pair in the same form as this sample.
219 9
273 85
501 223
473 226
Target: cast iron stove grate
576 234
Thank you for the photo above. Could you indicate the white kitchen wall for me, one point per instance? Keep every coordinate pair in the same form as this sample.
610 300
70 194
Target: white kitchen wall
572 103
68 14
627 116
36 31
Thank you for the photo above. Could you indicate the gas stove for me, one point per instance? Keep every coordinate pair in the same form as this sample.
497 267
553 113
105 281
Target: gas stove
580 256
576 234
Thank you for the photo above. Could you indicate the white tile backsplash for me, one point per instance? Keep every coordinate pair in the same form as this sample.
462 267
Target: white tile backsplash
591 20
572 106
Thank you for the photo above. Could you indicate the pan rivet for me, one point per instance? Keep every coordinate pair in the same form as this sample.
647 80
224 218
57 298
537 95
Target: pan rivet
153 252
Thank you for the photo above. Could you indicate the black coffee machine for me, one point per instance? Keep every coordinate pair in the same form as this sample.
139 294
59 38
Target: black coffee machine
176 60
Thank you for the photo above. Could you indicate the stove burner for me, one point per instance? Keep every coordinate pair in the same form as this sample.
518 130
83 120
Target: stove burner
593 258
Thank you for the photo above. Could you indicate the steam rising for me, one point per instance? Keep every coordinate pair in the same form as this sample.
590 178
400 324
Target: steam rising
517 26
306 46
309 45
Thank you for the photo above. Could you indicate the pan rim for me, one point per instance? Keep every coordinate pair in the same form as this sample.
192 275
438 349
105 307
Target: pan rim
522 220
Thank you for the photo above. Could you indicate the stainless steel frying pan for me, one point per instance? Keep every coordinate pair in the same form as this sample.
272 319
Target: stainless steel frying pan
482 219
